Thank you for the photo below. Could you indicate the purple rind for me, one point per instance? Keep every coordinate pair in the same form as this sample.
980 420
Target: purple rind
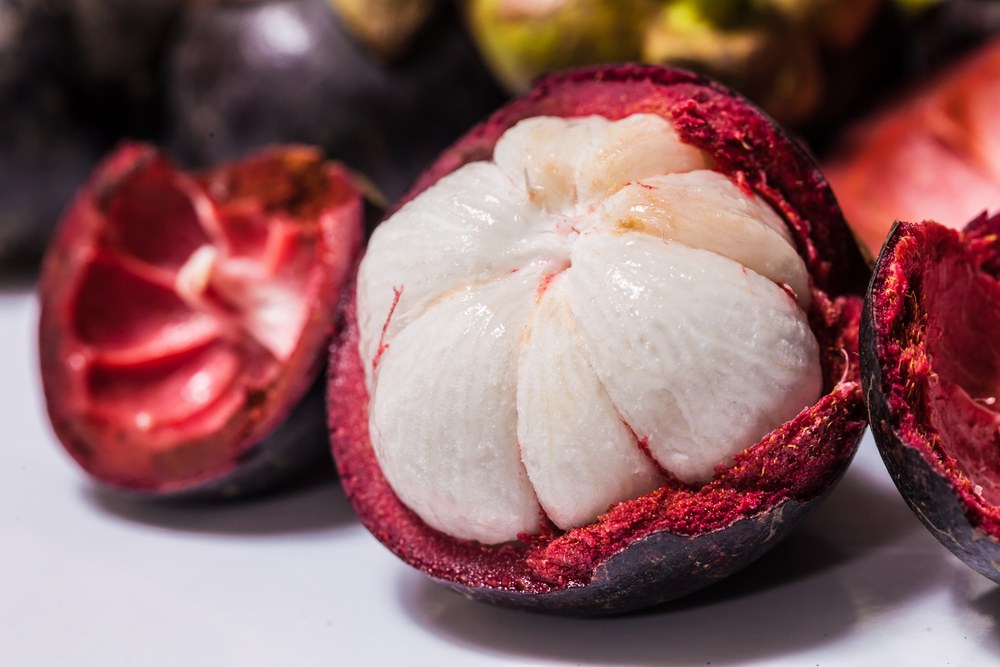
659 568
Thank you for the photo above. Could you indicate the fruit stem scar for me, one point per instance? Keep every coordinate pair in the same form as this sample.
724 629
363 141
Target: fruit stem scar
397 292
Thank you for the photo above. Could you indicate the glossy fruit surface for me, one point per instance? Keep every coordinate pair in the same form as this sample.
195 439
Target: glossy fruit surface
185 316
680 536
930 364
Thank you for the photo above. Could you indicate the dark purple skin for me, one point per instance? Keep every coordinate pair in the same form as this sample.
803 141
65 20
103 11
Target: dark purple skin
75 77
234 85
675 540
292 452
45 149
625 581
946 30
920 460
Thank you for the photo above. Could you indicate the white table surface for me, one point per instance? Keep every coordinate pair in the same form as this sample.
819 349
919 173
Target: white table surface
91 579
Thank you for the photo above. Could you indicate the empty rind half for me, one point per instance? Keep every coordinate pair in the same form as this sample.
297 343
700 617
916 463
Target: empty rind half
619 316
931 365
185 316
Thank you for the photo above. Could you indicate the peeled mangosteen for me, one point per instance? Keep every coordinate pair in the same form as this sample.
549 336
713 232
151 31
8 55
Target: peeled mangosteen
185 319
930 364
248 74
605 352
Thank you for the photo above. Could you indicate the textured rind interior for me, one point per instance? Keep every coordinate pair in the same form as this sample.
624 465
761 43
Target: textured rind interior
933 364
90 413
796 463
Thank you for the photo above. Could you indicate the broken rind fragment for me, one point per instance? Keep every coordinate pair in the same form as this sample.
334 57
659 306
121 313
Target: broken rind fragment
930 363
185 317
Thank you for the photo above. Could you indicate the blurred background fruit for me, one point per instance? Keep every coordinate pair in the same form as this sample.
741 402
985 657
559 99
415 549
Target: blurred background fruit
74 76
779 53
384 85
245 74
212 80
933 154
387 27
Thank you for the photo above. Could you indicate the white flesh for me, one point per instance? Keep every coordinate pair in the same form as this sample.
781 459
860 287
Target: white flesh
549 331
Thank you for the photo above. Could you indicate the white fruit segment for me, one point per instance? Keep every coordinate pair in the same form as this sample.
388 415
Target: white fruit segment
564 164
580 455
701 356
551 331
445 429
704 209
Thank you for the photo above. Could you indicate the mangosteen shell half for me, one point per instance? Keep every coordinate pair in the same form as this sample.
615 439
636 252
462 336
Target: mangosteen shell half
275 435
677 539
900 380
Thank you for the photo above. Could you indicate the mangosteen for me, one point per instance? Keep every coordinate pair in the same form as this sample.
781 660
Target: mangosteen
185 319
248 74
930 154
940 31
75 77
45 150
930 364
808 62
605 352
121 46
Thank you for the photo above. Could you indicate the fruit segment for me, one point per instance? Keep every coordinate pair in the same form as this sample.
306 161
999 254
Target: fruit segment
704 209
562 328
184 315
447 423
580 455
564 164
701 355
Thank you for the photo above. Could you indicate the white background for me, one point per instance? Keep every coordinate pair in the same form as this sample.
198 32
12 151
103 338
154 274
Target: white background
88 578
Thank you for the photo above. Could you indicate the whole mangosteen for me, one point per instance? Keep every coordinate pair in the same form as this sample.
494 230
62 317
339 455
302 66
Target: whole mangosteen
75 77
247 74
45 149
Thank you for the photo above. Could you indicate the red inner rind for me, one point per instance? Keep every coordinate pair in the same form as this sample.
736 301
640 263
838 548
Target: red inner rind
934 310
156 384
797 461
